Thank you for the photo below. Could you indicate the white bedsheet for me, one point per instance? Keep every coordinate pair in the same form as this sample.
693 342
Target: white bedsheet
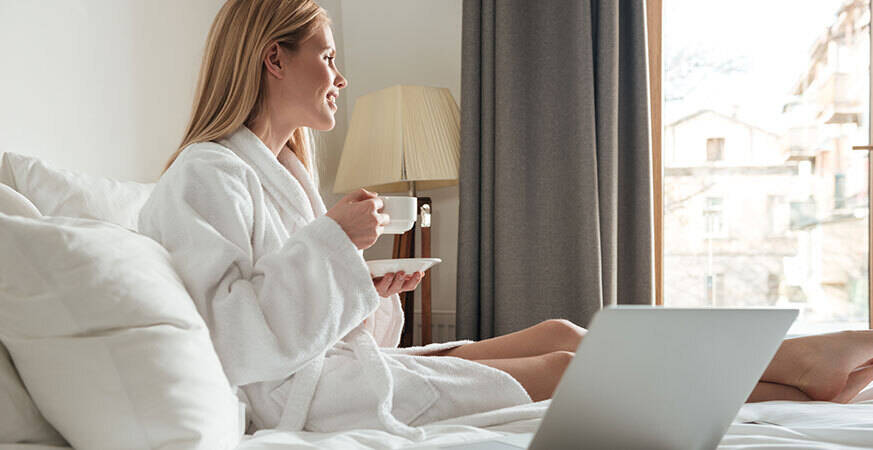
783 425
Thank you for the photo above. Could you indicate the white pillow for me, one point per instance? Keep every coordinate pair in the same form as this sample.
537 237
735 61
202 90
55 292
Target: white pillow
15 204
57 192
20 420
107 340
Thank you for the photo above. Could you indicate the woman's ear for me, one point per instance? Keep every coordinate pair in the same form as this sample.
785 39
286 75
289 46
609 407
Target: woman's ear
273 60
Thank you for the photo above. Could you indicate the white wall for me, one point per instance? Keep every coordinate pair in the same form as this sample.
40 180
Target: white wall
744 145
105 86
100 86
382 43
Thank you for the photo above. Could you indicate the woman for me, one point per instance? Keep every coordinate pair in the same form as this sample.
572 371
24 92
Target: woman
300 326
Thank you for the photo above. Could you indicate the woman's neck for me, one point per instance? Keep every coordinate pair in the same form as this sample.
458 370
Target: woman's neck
273 136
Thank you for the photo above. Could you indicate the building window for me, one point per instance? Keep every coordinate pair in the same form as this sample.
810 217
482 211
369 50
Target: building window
802 214
839 191
714 289
713 215
715 149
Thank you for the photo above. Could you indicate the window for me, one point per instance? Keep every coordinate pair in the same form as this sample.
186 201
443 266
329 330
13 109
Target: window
802 214
715 149
714 289
839 191
713 215
792 107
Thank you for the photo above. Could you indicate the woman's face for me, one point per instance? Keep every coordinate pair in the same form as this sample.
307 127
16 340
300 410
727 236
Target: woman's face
308 90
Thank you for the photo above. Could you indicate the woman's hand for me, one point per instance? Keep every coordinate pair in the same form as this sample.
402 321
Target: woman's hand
358 215
395 283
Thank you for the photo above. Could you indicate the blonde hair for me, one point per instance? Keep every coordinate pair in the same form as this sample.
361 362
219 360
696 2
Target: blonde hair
230 88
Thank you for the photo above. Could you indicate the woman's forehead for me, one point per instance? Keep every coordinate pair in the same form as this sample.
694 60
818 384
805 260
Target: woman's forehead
321 39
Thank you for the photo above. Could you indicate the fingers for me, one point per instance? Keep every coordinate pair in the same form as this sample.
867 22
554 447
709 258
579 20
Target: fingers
360 194
412 282
378 221
383 283
396 283
375 208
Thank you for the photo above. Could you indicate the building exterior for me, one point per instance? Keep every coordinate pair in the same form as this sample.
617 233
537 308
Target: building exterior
727 199
757 217
827 116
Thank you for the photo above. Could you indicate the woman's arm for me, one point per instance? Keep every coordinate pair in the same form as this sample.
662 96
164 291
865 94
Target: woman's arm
269 316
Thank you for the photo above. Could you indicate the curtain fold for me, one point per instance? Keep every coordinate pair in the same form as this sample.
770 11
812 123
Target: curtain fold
555 178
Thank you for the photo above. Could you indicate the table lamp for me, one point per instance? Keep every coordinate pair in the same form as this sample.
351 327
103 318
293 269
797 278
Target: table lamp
401 139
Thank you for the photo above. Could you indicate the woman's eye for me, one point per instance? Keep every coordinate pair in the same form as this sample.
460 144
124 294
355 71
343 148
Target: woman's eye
329 58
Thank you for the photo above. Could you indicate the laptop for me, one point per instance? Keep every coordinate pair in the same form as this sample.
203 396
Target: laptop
655 378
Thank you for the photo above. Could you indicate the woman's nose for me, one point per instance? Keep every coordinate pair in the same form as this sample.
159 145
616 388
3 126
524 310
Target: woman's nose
340 80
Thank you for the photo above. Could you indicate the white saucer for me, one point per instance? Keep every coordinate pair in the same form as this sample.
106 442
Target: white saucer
379 267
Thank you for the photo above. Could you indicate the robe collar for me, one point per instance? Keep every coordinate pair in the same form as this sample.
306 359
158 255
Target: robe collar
284 177
291 162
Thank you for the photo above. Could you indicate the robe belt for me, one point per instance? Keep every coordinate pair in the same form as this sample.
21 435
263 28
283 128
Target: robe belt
377 372
300 395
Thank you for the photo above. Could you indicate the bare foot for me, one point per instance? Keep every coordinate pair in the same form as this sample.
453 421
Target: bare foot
857 381
821 365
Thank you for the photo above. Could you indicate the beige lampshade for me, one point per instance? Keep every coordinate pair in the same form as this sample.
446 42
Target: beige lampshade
399 135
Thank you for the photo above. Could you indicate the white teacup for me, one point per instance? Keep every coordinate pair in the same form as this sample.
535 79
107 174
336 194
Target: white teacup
402 211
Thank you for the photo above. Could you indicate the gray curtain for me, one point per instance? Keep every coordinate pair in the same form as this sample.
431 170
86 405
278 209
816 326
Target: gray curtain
556 176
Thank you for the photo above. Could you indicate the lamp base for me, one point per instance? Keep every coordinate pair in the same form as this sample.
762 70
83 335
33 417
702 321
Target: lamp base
404 247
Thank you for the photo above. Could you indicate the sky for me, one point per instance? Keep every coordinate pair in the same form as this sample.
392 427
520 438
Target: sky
766 42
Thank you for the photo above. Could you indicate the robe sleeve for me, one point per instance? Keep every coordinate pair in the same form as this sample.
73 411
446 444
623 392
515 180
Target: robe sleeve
268 317
386 323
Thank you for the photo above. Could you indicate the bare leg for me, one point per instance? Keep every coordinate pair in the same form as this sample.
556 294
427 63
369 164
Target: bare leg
823 366
536 356
765 391
539 375
833 367
545 337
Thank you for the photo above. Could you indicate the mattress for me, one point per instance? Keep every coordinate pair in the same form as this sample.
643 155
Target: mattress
767 425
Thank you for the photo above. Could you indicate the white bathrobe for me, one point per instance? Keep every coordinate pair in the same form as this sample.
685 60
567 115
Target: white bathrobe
290 304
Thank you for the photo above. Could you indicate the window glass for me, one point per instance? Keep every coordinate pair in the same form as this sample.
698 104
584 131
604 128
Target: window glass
765 202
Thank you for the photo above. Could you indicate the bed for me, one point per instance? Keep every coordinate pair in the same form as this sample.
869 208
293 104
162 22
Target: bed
761 425
783 425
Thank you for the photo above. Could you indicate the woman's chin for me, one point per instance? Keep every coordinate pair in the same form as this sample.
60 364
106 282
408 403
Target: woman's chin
325 124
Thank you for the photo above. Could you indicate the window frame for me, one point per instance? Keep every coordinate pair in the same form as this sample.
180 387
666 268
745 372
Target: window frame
653 35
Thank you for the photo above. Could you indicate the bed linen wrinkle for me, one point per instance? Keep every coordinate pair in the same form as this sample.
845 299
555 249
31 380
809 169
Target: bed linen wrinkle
831 431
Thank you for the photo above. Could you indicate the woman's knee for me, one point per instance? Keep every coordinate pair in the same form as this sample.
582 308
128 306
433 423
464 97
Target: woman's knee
564 331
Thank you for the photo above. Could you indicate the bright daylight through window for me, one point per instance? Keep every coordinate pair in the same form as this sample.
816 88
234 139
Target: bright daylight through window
765 202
